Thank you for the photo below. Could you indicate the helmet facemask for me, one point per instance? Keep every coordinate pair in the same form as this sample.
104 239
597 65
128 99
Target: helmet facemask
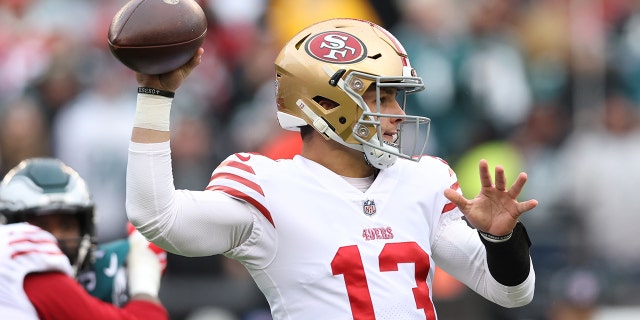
412 133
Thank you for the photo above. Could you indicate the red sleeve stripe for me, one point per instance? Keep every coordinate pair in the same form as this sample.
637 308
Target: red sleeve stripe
448 207
21 253
235 179
36 241
219 176
244 197
236 164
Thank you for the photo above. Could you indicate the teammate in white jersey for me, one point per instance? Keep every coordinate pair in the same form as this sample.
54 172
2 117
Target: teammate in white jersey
50 267
354 227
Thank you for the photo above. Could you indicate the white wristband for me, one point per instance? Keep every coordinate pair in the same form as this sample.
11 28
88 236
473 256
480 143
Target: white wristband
495 239
152 112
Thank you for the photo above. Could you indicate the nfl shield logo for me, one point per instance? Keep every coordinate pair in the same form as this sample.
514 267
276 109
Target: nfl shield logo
369 207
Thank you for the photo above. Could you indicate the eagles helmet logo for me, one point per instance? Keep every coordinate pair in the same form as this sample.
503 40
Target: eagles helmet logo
336 47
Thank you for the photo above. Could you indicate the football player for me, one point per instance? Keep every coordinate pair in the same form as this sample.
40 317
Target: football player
354 226
47 249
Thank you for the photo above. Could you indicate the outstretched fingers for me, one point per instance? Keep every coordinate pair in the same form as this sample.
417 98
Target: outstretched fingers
485 176
501 179
527 205
487 181
517 185
515 190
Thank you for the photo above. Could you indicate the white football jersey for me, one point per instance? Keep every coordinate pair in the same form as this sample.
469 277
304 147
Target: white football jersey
24 249
320 248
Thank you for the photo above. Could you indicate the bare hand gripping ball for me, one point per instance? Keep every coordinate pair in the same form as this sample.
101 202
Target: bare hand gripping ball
157 36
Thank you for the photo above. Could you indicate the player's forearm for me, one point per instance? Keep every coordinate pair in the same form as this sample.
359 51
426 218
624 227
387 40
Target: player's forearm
510 266
152 118
509 261
141 135
459 252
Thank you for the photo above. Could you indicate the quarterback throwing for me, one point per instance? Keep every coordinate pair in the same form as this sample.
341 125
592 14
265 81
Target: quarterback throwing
354 226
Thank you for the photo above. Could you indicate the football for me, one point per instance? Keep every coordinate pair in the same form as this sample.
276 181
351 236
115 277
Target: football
157 36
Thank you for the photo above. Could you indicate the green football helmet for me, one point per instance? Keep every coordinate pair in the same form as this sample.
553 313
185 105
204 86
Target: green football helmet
44 186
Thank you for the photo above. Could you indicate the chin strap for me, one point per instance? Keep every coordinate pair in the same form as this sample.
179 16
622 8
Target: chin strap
83 252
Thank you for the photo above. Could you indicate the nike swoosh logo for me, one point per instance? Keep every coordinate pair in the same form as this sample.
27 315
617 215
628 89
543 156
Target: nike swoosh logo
113 266
243 158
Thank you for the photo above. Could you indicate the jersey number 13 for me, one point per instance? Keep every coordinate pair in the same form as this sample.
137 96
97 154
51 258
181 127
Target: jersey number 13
348 262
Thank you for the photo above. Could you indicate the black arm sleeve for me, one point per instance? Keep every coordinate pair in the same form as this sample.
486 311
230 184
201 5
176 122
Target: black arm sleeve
509 260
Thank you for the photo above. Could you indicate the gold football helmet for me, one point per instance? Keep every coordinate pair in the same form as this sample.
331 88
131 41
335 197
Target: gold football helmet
338 60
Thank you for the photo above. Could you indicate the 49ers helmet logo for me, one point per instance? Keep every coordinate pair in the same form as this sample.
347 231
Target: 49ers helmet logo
336 47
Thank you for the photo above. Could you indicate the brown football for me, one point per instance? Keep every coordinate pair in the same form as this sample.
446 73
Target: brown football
157 36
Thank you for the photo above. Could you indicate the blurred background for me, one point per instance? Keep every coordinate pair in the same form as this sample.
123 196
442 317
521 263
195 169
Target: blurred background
550 87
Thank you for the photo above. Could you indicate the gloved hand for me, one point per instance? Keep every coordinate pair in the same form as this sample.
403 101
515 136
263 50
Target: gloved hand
146 264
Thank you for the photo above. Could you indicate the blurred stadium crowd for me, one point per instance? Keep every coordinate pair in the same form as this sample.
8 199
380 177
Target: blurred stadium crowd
550 87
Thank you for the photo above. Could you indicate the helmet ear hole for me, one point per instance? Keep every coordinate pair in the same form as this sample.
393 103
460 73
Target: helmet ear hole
326 103
342 120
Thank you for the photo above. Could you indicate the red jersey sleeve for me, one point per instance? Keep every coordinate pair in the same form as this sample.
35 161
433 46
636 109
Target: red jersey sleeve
58 296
